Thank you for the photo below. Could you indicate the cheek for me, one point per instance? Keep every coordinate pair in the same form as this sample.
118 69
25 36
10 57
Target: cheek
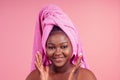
49 53
68 52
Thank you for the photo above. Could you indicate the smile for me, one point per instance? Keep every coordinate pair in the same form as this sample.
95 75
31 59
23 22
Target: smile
58 59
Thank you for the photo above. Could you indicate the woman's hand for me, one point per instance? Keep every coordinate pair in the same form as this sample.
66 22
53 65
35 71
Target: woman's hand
78 63
43 70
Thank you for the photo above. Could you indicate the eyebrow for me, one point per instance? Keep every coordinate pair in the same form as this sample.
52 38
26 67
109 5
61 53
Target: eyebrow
59 43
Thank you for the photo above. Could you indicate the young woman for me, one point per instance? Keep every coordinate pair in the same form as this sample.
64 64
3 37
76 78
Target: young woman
59 53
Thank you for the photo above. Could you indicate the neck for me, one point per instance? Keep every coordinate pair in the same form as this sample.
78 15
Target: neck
63 69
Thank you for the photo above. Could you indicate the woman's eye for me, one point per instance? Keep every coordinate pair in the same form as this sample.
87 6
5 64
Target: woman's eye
64 47
51 48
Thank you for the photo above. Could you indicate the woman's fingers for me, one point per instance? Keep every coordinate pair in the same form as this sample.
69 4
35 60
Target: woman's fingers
44 71
38 61
39 57
36 64
78 63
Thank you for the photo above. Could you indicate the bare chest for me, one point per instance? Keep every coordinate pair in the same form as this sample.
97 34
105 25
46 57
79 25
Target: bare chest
61 77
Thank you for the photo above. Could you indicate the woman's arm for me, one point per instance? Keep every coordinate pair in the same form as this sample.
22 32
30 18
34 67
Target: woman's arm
34 75
85 74
41 72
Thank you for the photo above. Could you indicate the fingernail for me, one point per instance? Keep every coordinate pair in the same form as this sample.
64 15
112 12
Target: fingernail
35 55
37 51
80 54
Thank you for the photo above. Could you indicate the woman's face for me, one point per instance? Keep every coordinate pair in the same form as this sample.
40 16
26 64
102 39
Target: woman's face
59 48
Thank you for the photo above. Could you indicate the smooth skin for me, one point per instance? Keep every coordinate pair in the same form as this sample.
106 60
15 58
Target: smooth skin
59 52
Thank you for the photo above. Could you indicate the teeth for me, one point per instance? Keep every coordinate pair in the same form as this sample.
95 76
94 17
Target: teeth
60 58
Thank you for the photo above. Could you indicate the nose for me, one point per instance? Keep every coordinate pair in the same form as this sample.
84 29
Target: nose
58 51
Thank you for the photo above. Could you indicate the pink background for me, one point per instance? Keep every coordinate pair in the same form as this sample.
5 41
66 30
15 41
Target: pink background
99 27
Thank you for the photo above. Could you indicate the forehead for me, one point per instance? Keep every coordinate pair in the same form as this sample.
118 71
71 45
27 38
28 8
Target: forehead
58 37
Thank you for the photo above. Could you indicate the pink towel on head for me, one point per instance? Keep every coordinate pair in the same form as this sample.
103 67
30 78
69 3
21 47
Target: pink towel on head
48 17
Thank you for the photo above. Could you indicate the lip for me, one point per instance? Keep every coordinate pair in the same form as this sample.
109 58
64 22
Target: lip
58 59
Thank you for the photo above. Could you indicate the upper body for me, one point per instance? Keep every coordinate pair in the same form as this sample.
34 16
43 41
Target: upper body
59 52
81 74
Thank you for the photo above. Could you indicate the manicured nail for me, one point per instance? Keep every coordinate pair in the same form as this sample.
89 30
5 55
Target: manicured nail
80 54
38 52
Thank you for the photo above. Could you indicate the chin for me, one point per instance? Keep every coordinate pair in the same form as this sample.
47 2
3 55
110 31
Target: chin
58 64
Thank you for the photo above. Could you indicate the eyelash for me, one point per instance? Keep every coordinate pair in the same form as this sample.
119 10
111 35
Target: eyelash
62 47
51 47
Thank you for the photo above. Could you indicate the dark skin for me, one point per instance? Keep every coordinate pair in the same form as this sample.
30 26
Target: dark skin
59 52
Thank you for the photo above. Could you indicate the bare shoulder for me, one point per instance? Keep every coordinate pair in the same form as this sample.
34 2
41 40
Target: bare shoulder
86 74
34 75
